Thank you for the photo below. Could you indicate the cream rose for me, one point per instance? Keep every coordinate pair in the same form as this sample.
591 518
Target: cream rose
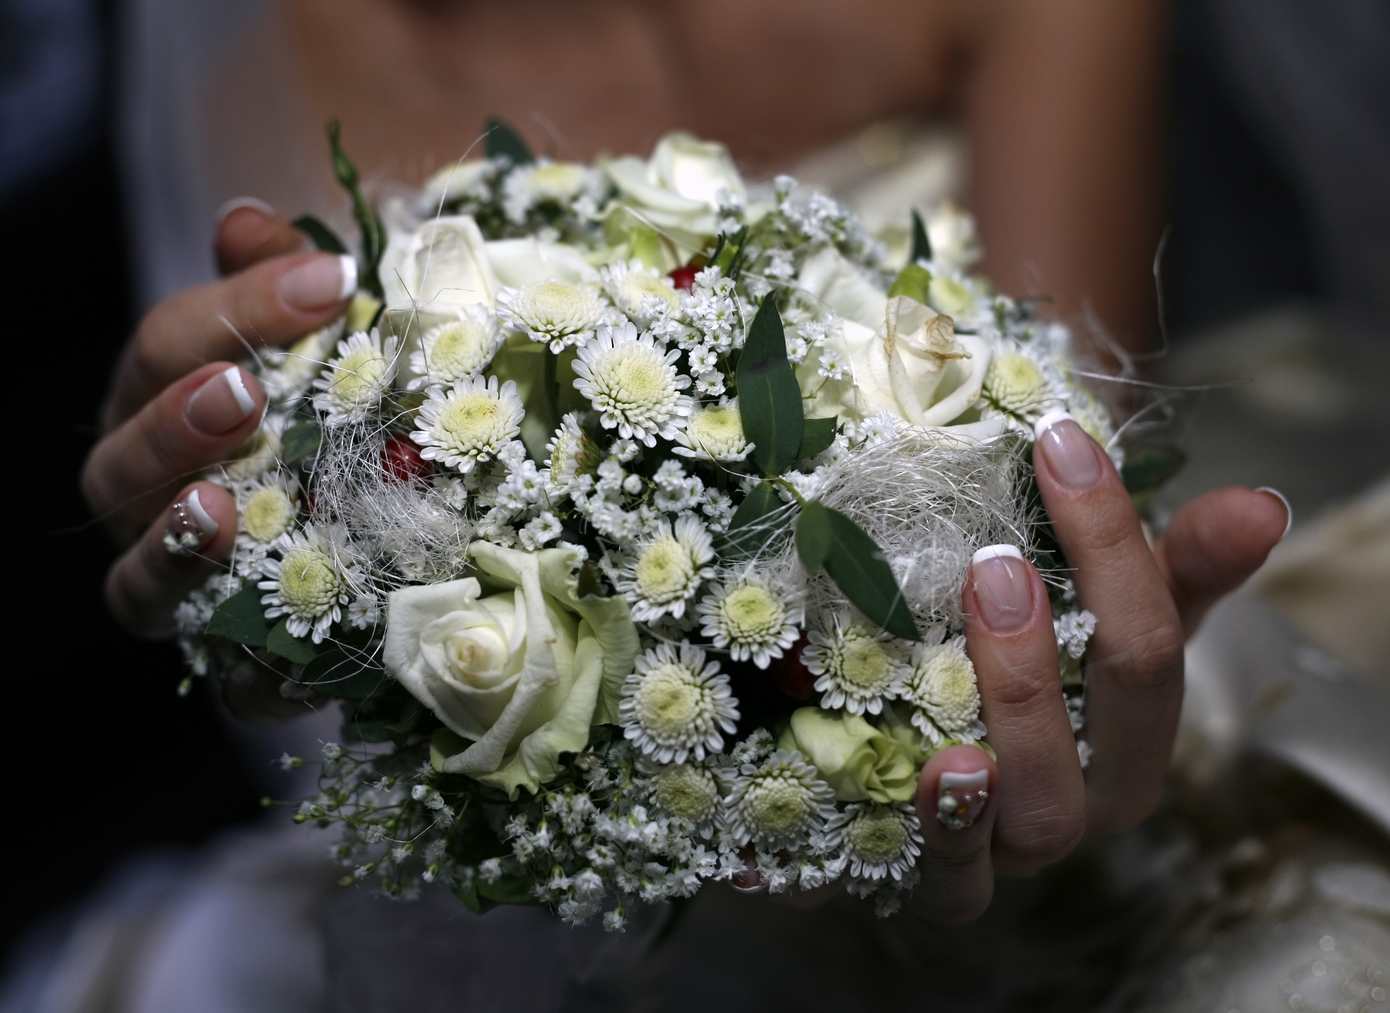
902 357
516 665
439 268
678 189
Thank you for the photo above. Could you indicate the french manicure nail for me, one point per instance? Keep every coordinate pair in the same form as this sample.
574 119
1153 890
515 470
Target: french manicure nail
1070 453
221 404
190 526
320 282
960 798
1002 588
1288 507
237 203
748 881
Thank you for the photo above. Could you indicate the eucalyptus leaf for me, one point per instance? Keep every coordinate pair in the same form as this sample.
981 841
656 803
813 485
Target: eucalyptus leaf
241 618
744 537
813 536
343 676
769 399
282 642
319 234
856 565
504 142
1148 468
913 281
921 245
506 890
300 442
816 436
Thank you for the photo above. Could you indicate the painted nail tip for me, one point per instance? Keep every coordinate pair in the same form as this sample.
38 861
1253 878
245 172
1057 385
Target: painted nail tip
348 266
237 203
203 519
1049 420
1288 507
975 781
237 385
996 552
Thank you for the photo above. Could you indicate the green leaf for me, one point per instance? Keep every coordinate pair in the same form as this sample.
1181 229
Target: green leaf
241 618
319 234
745 536
813 536
856 565
300 442
816 436
769 400
921 245
343 676
284 643
913 281
730 253
506 890
373 235
1147 469
504 142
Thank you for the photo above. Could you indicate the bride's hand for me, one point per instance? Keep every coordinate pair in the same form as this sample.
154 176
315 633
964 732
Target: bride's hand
1037 805
175 407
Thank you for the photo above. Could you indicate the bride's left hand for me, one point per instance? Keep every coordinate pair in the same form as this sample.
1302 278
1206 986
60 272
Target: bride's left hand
1037 804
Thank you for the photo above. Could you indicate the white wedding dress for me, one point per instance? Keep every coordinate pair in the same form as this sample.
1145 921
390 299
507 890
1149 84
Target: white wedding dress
1262 885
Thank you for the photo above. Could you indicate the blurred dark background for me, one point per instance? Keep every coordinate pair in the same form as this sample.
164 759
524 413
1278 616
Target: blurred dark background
1270 184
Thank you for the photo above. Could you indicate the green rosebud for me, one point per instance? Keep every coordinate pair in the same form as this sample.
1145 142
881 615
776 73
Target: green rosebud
857 759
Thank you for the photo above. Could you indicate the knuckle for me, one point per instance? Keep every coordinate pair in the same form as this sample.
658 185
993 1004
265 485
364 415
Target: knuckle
1151 658
1045 838
1021 683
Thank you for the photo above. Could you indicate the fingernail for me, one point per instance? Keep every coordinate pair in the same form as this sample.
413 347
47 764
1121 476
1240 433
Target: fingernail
1070 453
221 404
960 798
749 880
1288 507
190 526
237 203
1002 587
320 282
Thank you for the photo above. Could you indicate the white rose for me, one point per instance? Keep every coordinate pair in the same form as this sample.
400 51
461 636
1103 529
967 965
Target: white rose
679 188
441 267
518 674
954 243
903 358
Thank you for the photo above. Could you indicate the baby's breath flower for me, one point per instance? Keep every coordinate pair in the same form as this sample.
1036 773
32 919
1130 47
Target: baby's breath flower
455 350
779 802
676 703
559 313
877 841
469 423
944 693
357 379
858 669
633 384
715 433
308 584
663 575
750 619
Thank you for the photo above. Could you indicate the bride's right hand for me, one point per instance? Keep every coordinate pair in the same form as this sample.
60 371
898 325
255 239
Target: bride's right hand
178 404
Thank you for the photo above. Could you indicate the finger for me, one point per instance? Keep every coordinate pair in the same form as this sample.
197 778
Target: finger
1012 645
1134 661
272 303
202 419
953 801
177 553
248 232
1216 542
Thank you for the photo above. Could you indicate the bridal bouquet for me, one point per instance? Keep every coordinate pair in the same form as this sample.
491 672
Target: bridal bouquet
626 514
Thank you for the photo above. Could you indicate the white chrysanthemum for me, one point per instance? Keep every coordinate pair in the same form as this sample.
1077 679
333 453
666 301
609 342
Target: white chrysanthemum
543 182
857 668
307 584
455 350
266 510
560 313
750 619
357 379
877 841
944 693
686 791
633 384
570 453
290 372
1021 382
639 291
662 576
715 433
468 423
675 705
778 803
